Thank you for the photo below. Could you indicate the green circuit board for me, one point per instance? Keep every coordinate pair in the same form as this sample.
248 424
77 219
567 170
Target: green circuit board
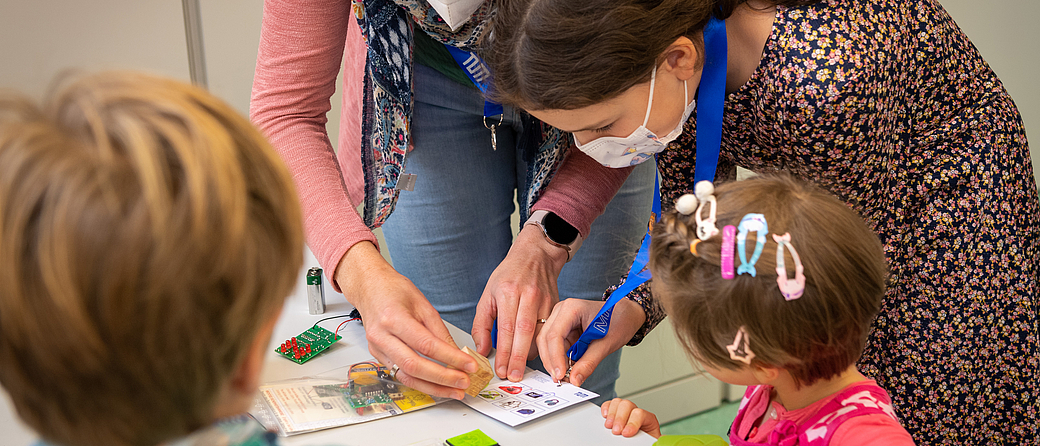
307 345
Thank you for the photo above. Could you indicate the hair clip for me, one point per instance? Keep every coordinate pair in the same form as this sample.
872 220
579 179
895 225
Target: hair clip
751 222
790 288
693 246
706 194
686 204
739 350
729 234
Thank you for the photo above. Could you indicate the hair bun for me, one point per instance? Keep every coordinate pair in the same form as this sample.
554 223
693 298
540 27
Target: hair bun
704 189
686 204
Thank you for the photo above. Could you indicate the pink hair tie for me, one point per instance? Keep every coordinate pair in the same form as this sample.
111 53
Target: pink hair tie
729 235
790 288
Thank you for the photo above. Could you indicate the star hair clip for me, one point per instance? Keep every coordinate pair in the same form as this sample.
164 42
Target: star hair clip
739 350
790 288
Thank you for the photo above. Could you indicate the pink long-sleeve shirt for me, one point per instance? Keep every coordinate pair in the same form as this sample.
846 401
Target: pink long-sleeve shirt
303 46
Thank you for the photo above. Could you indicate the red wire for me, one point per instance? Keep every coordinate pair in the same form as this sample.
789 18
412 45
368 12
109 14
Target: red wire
343 323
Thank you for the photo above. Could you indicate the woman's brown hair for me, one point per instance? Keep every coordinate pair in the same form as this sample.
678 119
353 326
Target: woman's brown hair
568 54
148 232
814 337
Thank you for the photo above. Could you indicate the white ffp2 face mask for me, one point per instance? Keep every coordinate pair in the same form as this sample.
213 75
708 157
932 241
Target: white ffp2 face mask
641 144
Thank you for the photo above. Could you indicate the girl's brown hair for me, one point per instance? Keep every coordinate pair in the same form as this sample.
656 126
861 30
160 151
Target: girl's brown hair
814 337
568 54
148 232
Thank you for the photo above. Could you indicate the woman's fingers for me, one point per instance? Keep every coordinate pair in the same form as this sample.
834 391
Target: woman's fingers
560 331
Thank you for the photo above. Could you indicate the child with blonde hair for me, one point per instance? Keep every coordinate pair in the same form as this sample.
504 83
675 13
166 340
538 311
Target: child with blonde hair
148 238
773 284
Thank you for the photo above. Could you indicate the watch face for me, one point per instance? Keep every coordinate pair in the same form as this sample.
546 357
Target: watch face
558 230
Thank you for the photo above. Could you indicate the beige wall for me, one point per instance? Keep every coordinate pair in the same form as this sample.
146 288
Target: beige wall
41 38
1006 34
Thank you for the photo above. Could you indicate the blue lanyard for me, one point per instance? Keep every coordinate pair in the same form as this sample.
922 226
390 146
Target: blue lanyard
478 73
711 95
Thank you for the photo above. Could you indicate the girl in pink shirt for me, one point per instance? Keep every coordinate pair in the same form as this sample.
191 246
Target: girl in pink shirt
773 284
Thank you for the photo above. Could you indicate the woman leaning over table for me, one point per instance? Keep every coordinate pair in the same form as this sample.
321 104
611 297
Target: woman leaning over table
404 94
885 103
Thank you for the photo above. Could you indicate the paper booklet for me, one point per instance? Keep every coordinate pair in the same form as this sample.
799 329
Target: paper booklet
535 396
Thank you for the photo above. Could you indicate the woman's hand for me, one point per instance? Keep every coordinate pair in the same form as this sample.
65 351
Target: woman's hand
401 325
625 419
569 319
521 291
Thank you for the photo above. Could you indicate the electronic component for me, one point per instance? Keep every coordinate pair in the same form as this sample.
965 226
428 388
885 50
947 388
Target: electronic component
315 291
307 345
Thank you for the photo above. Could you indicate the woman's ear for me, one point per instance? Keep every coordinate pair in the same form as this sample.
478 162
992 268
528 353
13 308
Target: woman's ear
682 59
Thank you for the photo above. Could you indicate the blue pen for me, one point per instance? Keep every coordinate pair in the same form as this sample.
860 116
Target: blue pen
710 101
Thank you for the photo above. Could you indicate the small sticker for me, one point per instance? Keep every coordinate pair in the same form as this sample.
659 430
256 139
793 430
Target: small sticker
509 404
512 390
550 402
533 395
528 411
491 394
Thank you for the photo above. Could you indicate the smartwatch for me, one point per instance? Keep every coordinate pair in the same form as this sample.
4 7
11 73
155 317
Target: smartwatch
557 231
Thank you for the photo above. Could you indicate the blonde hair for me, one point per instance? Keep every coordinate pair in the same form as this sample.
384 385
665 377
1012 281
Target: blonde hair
813 337
147 233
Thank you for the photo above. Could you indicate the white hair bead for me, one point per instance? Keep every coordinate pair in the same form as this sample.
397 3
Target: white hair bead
686 204
704 189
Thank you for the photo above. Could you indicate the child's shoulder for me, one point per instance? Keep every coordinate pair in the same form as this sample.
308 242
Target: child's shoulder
860 414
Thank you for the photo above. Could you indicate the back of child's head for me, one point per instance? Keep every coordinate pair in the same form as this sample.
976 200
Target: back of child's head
147 233
815 336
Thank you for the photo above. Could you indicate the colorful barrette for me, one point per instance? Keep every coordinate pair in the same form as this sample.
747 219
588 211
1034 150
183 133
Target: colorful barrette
790 288
739 350
729 235
751 222
706 194
693 246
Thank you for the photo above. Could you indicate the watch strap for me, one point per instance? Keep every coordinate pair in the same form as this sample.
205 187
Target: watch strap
538 218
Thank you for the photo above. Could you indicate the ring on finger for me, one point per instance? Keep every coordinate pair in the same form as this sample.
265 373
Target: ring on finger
393 371
542 321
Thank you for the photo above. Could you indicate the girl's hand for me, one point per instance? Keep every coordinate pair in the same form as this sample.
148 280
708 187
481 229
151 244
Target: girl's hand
625 419
569 319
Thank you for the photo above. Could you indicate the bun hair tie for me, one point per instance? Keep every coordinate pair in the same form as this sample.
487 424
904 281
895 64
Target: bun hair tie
686 204
706 195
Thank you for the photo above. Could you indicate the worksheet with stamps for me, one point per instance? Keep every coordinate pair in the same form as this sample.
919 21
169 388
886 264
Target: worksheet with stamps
535 396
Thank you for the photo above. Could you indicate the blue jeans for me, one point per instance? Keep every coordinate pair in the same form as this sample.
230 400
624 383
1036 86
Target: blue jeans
452 231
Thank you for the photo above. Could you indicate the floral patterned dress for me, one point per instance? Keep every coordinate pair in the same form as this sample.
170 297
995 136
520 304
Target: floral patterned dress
888 105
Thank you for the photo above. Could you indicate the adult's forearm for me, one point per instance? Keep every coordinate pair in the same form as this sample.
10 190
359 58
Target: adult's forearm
301 49
581 190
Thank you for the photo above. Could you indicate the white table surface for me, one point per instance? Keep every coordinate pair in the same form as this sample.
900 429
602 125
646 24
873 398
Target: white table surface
577 425
580 424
